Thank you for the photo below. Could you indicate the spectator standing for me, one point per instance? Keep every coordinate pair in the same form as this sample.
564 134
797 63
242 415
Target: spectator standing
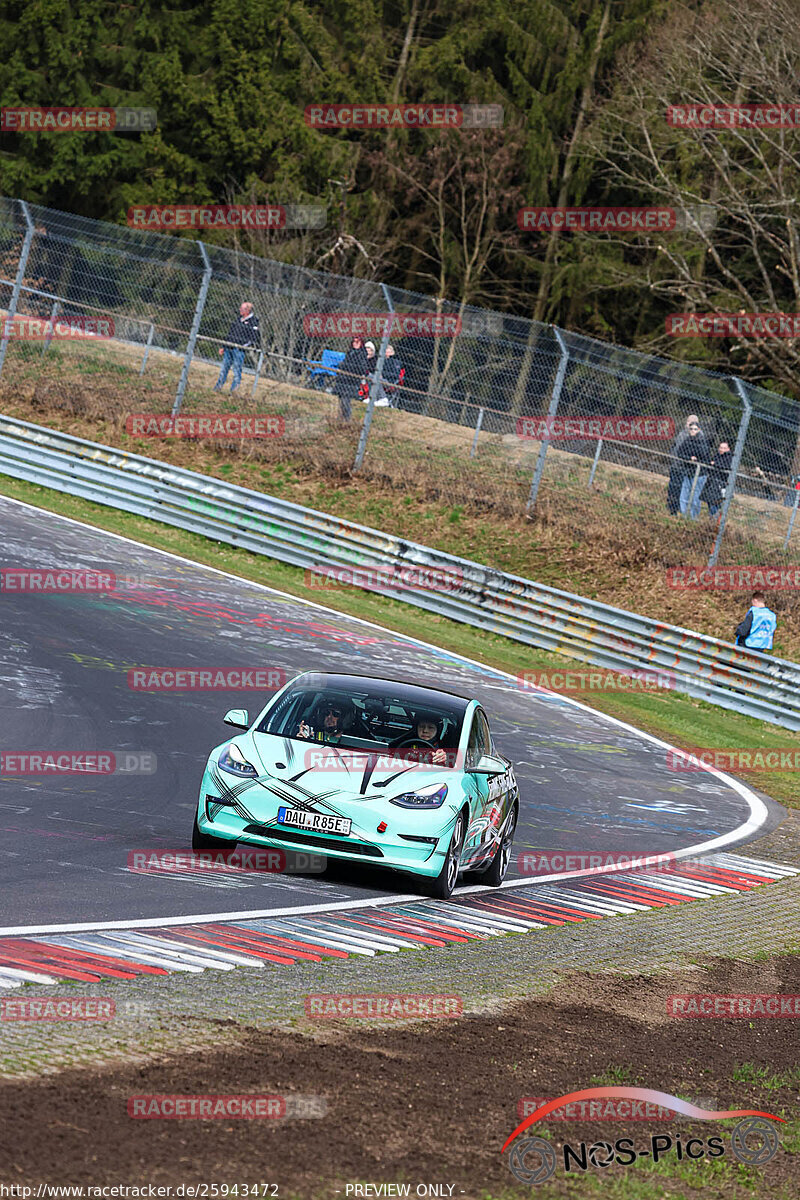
244 333
757 630
691 447
349 374
714 492
392 372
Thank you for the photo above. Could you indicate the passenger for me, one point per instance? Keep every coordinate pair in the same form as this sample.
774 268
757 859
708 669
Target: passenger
328 726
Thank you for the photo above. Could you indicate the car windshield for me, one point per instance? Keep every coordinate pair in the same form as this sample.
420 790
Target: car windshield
367 719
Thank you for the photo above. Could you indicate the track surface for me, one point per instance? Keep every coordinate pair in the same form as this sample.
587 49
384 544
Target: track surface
587 784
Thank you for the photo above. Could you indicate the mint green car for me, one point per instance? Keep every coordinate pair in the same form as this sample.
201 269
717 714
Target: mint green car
367 770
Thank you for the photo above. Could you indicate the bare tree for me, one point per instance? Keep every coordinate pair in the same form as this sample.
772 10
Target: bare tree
727 54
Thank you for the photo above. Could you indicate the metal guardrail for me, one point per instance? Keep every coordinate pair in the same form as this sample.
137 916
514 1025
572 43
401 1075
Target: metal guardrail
742 680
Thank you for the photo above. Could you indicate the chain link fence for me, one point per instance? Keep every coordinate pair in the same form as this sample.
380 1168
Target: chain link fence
479 408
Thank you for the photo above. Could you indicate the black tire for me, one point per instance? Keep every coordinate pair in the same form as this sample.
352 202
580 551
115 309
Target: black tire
495 873
204 841
441 888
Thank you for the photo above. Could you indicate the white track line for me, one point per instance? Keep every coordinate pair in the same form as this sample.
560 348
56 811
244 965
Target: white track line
757 818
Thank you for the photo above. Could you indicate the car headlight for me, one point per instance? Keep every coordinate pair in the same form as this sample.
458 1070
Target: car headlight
432 796
234 762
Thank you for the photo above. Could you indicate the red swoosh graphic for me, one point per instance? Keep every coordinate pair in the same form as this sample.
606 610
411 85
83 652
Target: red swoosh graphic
636 1093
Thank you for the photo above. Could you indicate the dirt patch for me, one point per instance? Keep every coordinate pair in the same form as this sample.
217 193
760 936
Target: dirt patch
426 1102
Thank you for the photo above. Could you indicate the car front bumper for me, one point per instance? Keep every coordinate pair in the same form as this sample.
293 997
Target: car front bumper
395 848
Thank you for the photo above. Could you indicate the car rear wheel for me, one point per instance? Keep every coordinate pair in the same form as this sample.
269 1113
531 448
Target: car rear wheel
204 841
495 873
441 888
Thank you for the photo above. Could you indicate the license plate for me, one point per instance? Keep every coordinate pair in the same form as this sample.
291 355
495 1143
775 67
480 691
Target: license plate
318 822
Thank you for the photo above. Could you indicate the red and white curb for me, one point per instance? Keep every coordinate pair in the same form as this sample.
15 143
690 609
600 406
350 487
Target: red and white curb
385 927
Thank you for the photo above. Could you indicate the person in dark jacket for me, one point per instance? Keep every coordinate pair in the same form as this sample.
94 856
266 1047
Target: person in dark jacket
691 447
674 485
714 492
244 333
392 368
349 374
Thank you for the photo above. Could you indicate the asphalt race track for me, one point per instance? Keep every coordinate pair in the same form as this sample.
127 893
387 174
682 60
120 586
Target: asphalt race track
587 784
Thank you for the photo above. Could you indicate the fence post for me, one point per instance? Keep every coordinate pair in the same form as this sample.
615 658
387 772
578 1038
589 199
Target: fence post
23 262
551 412
792 517
51 325
478 424
147 348
377 382
734 471
597 454
259 365
198 316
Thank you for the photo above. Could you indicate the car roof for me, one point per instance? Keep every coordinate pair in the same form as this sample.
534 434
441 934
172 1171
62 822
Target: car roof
410 693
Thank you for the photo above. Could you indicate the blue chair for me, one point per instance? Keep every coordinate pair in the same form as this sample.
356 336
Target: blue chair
320 372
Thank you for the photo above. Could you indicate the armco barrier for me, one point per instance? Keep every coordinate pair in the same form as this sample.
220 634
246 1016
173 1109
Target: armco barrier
742 680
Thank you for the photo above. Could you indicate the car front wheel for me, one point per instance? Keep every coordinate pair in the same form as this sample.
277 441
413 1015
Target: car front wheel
441 888
204 841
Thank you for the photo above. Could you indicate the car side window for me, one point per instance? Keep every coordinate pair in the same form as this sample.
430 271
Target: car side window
484 736
479 740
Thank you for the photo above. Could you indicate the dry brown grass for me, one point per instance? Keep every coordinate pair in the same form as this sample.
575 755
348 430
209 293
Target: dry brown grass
612 543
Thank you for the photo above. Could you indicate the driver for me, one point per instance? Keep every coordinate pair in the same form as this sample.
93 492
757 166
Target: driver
427 737
328 718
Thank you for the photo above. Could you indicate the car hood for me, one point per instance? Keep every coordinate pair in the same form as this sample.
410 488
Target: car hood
313 770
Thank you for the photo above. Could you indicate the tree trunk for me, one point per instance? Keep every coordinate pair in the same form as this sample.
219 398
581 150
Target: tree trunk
563 194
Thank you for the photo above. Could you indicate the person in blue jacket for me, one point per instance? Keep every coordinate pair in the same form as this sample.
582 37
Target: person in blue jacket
758 628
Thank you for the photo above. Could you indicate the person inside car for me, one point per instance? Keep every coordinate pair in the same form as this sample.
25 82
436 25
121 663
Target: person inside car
425 741
328 723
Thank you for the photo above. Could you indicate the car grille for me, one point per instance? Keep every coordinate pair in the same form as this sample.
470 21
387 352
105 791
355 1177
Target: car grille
314 839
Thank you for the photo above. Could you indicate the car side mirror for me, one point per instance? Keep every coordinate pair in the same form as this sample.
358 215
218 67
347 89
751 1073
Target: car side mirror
489 765
237 717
